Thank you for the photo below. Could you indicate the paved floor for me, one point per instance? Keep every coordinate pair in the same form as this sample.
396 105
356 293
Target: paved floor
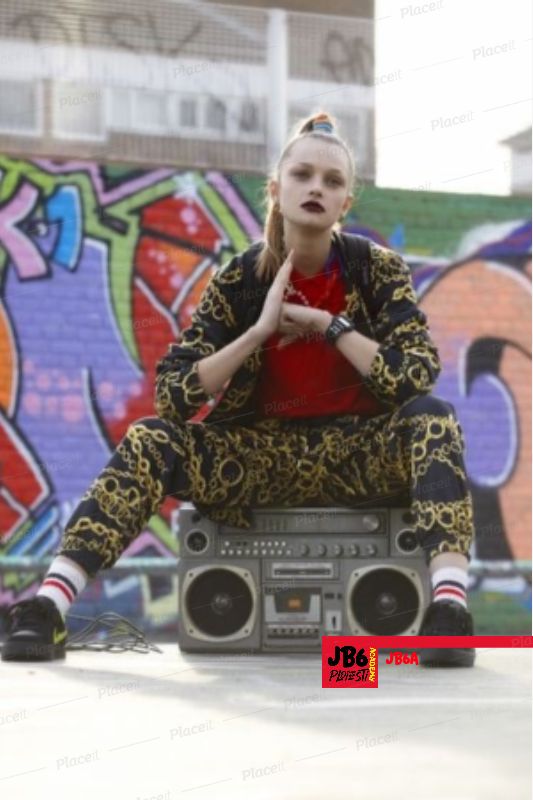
172 725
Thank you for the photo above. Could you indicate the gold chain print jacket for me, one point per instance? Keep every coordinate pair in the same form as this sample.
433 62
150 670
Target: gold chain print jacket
406 364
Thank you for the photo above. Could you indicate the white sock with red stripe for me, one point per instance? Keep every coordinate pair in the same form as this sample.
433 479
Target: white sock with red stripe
449 583
63 583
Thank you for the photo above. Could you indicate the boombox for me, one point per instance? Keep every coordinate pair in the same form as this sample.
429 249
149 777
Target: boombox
298 574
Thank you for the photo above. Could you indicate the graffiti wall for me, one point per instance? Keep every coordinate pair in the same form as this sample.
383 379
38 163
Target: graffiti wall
101 267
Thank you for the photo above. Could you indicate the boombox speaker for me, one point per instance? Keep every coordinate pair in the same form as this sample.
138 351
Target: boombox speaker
298 574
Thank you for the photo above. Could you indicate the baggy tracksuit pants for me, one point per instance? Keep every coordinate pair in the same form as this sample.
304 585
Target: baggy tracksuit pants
417 449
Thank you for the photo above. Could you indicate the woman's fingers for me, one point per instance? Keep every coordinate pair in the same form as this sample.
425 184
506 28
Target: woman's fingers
288 339
285 341
282 277
287 264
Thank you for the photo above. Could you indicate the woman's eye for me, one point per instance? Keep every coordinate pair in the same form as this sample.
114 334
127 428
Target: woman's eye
300 174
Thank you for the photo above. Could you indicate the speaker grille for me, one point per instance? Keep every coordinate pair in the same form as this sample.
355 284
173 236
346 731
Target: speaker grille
384 602
219 602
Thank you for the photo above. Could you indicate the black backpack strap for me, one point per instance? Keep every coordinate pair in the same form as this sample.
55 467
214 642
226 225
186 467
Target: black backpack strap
254 291
357 258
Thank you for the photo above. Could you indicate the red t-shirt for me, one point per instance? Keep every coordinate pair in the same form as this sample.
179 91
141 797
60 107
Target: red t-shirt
309 377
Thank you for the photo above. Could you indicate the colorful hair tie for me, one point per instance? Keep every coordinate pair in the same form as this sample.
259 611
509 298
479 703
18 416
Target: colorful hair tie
323 125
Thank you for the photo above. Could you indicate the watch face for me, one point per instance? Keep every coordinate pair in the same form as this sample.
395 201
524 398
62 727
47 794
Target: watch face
338 325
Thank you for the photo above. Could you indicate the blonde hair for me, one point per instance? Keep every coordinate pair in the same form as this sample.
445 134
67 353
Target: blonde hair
272 254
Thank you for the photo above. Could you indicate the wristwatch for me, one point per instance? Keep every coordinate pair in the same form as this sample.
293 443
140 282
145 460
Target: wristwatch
337 326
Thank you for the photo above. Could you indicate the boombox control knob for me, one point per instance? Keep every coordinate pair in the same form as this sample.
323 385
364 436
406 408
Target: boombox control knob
303 549
336 549
370 522
321 550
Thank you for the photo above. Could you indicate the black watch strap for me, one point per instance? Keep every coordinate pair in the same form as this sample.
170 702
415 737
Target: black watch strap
338 325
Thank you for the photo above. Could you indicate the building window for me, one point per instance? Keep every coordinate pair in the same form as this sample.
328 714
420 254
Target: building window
78 111
249 117
215 117
120 110
20 107
151 111
187 113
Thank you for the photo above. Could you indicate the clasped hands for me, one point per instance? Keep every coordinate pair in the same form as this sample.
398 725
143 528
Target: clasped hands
298 321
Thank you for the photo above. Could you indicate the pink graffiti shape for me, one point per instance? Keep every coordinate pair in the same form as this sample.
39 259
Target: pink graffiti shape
25 256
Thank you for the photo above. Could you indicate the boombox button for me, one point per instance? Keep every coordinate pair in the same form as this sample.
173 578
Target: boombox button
230 552
223 552
246 552
255 552
289 552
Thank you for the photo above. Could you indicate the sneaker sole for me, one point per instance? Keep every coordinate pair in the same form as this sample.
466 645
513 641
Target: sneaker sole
443 657
29 651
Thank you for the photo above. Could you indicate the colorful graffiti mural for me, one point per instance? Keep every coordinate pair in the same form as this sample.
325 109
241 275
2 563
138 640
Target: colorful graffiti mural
480 316
101 267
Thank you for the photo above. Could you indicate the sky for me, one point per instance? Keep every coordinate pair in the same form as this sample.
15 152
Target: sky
453 78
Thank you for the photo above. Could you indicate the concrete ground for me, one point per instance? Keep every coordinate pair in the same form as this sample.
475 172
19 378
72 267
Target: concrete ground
176 725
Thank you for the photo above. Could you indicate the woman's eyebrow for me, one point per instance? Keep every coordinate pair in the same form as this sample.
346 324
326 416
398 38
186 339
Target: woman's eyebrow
331 169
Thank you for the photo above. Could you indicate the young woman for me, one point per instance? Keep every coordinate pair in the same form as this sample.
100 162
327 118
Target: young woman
311 410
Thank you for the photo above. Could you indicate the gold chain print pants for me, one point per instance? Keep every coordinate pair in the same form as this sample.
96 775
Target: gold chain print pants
415 451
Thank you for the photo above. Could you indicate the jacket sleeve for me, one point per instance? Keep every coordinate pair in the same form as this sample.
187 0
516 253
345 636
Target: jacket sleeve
407 362
178 391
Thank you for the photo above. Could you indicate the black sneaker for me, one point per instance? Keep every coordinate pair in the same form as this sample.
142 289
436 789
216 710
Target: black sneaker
447 618
36 631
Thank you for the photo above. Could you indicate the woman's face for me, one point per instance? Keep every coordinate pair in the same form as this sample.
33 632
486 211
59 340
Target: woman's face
316 171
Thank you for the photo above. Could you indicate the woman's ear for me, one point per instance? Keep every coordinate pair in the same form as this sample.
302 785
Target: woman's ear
347 205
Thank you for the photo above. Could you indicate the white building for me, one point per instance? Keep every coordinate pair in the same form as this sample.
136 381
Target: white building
189 84
520 147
